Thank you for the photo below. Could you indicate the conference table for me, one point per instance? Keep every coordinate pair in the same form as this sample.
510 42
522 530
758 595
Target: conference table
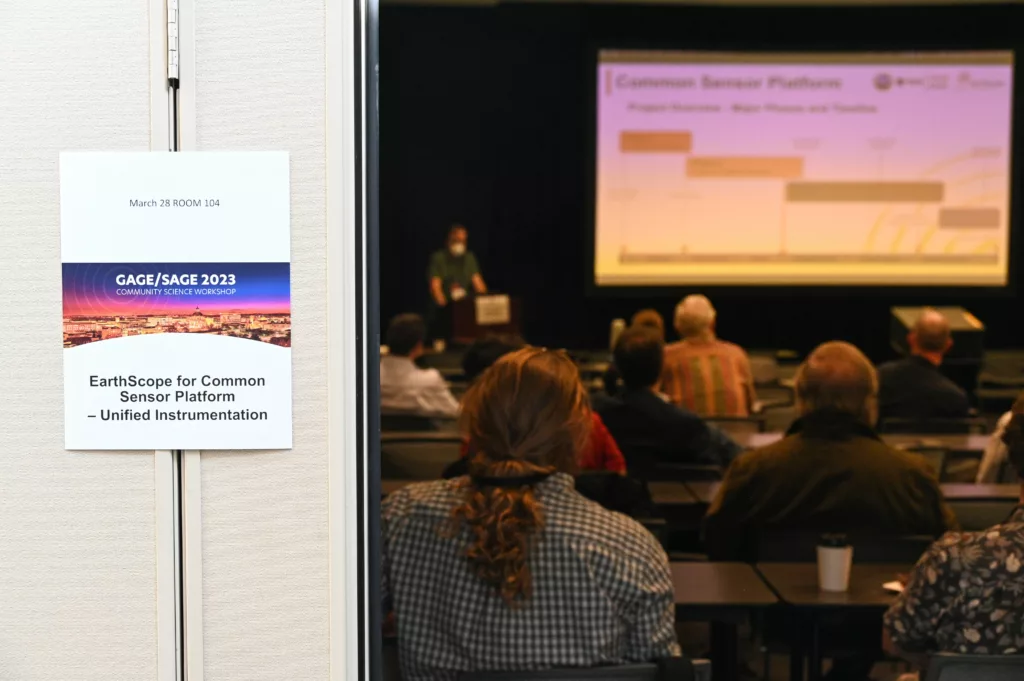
796 585
705 492
676 495
983 492
964 443
725 594
722 594
960 443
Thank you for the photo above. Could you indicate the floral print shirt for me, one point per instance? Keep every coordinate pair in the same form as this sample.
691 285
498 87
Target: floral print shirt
966 594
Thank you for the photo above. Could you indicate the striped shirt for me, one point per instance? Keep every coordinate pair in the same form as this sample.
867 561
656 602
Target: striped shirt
710 378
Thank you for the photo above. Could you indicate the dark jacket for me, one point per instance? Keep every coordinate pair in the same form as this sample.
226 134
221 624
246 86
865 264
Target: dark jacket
913 388
650 431
830 473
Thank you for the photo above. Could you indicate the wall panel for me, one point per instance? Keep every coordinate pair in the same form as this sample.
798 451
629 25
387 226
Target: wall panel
78 558
260 84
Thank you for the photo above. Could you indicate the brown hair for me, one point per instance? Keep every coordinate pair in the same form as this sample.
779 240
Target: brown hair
527 415
650 319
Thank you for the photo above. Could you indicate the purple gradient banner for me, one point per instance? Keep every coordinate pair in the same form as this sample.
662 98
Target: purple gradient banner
112 300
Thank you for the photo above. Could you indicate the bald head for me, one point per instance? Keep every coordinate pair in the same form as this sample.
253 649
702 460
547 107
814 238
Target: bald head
931 334
838 377
695 317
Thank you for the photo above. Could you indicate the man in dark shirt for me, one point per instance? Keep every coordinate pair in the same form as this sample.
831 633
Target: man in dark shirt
647 427
912 387
454 272
831 473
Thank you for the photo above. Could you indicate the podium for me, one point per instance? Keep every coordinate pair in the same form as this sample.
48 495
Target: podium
482 315
967 331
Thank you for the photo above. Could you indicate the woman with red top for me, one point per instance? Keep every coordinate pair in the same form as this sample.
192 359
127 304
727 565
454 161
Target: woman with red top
601 452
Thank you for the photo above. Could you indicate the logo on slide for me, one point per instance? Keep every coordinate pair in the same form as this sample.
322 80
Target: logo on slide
883 81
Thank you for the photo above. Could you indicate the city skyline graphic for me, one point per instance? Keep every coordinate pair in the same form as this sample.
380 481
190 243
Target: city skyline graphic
115 300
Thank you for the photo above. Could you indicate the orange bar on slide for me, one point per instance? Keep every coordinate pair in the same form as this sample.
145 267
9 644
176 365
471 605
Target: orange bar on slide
745 166
873 192
655 142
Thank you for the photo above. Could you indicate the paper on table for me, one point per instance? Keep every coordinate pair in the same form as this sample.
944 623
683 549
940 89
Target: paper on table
893 587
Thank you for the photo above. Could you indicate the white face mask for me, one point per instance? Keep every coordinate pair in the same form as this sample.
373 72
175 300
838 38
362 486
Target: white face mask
458 248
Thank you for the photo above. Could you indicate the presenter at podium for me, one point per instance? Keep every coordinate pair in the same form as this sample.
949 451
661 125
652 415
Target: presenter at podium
454 272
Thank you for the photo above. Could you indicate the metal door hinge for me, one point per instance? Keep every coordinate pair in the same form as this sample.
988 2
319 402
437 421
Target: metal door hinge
172 43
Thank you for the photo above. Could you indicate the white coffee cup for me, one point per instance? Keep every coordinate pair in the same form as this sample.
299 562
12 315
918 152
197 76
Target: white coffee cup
835 558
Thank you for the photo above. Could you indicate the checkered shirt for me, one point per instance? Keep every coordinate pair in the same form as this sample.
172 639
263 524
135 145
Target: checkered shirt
602 590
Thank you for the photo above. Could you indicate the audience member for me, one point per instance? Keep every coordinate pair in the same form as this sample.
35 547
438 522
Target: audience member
993 461
601 452
650 319
485 351
491 571
648 428
404 387
708 376
831 473
912 387
965 595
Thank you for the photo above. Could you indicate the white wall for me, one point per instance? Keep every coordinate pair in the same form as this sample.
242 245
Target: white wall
260 84
84 545
77 538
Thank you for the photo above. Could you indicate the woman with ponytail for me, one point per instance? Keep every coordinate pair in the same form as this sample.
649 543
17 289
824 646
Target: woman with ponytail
509 568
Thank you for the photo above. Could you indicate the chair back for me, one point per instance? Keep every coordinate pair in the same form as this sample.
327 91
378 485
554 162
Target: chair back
972 425
946 667
1007 475
676 669
738 425
417 458
616 492
764 369
659 529
934 458
414 423
391 670
684 472
776 546
976 514
445 362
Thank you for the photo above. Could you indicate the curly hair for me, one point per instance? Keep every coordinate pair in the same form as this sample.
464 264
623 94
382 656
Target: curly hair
526 417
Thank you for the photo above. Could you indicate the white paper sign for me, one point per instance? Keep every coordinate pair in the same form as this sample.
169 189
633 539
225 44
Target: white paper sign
177 300
493 310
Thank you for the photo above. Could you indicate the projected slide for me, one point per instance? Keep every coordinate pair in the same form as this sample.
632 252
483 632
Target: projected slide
785 169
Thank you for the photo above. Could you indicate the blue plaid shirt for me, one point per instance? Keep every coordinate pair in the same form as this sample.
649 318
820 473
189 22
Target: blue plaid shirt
602 590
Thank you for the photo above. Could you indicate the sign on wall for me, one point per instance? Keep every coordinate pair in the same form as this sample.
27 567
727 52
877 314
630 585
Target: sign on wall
177 300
